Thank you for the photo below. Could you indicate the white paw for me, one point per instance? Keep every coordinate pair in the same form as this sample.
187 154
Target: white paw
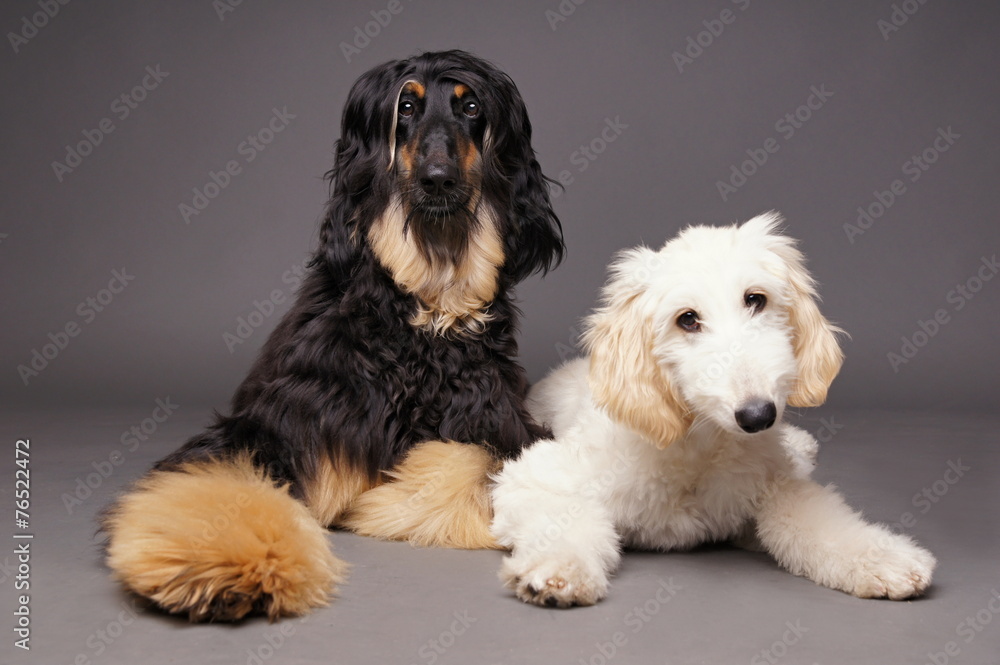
892 567
554 581
801 448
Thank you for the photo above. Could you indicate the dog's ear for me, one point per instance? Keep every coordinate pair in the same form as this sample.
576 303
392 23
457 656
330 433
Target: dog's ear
513 176
360 182
369 116
817 350
537 241
625 378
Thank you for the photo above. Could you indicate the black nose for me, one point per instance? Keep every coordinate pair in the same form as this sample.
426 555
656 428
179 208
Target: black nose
756 416
438 177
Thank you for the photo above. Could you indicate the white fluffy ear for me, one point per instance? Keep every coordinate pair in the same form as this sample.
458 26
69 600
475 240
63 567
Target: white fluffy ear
625 378
815 339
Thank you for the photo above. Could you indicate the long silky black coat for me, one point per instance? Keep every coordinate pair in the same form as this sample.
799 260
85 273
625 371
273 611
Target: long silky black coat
345 374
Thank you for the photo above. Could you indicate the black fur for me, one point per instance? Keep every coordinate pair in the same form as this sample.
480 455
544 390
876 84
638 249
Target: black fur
345 374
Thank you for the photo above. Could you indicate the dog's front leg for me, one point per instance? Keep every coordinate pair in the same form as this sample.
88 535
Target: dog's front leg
550 512
812 532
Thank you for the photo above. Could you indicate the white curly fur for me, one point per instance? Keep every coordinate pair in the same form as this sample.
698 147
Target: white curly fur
647 451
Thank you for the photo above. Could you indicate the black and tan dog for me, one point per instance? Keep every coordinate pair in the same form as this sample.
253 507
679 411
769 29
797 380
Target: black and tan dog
390 390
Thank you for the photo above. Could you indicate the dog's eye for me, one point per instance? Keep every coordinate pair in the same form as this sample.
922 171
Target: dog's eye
470 108
688 321
755 301
406 108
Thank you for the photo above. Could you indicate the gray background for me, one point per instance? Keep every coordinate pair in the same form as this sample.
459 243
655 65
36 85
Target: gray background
889 439
607 60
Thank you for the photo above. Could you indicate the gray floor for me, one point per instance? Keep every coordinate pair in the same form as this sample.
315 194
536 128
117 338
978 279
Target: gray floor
408 606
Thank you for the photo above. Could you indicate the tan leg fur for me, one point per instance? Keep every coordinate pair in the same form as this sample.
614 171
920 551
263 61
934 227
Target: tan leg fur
438 496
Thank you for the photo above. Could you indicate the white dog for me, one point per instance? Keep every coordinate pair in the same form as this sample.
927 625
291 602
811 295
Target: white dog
669 434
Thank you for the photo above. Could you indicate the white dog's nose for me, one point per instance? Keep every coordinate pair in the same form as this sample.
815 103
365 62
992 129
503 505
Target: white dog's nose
756 415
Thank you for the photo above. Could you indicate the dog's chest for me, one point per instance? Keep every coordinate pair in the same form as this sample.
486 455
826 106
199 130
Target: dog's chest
440 388
681 497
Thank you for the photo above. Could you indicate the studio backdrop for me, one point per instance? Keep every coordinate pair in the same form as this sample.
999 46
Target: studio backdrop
163 172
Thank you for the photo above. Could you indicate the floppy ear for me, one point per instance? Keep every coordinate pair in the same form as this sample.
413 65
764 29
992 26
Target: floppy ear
360 184
625 378
814 338
535 240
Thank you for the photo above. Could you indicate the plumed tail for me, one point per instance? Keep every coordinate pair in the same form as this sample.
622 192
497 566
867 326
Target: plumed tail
218 540
439 496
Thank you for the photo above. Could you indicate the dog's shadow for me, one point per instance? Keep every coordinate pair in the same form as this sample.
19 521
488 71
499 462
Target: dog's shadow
727 562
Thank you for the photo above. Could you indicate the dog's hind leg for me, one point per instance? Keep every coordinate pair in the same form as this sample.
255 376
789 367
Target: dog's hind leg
217 540
333 489
438 496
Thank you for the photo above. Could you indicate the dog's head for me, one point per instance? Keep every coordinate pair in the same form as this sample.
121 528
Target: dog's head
720 324
435 172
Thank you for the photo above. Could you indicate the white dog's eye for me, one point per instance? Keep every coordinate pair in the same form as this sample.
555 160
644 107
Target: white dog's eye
755 301
688 321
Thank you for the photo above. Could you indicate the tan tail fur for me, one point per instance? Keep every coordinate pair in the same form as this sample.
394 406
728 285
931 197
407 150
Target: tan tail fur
217 540
439 496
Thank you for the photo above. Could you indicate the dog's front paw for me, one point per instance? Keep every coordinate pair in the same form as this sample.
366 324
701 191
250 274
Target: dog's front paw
554 581
892 567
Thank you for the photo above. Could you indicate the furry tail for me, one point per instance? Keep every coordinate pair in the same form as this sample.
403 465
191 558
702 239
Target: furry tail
217 540
439 496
